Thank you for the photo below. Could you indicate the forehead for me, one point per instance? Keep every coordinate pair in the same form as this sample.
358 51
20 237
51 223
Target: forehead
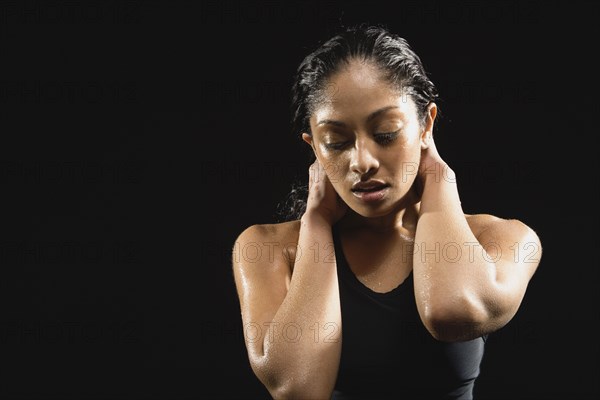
356 91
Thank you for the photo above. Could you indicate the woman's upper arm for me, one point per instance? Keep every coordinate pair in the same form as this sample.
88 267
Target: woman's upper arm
516 252
262 274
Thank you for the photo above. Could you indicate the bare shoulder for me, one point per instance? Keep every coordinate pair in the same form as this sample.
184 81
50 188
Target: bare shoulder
280 231
490 227
270 234
267 243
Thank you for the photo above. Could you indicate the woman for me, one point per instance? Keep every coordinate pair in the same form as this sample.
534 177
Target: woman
383 287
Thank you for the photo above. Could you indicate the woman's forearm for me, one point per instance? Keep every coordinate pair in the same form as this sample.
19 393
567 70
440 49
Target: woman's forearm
304 345
451 270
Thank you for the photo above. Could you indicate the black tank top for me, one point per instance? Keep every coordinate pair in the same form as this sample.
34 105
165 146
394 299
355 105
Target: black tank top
387 351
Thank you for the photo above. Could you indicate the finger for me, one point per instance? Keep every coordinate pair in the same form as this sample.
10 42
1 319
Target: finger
315 171
330 172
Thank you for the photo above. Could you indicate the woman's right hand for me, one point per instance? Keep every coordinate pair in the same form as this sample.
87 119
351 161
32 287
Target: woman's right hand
323 201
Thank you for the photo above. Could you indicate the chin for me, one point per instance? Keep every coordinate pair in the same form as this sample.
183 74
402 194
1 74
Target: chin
378 208
372 211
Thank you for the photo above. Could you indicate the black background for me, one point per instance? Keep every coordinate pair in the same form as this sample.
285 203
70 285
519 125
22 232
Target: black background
139 138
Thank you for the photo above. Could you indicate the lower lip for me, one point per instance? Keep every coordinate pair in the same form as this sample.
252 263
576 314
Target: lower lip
371 197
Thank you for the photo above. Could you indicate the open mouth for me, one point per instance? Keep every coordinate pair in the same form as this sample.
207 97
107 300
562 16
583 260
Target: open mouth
371 194
374 188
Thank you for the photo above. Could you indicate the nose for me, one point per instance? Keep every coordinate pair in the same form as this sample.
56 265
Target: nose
364 158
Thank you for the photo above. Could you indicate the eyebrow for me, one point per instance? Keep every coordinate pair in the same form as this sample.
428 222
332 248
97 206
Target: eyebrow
371 116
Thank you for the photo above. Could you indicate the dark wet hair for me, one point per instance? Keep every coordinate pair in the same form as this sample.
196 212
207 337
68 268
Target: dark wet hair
399 64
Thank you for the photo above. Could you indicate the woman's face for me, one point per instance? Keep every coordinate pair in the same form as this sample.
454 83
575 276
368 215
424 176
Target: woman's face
366 133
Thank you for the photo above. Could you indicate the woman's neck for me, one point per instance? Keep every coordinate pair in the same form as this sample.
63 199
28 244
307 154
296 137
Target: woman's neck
402 220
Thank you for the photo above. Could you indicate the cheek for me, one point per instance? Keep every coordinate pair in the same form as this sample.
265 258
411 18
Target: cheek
336 166
404 160
409 138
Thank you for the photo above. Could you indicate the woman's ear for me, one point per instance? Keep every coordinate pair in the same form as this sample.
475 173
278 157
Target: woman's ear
427 133
309 139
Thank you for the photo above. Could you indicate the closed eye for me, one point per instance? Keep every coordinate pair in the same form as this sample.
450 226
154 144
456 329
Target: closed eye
387 137
336 145
383 138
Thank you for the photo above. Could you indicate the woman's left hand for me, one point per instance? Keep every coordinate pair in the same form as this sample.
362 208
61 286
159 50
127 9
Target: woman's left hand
432 168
